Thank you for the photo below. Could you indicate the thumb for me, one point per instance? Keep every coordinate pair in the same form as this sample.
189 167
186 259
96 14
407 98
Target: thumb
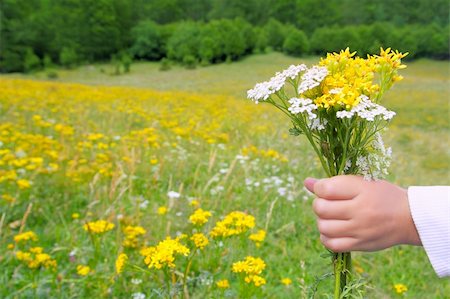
309 184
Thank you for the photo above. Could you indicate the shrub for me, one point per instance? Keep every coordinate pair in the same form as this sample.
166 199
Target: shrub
31 61
184 41
48 63
68 57
261 40
147 41
126 60
52 75
329 39
165 64
296 43
12 60
189 62
276 33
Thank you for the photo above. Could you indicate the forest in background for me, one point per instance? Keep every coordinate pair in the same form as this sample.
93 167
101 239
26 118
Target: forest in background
41 33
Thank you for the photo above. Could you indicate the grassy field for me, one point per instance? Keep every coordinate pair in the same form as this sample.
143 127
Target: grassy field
145 150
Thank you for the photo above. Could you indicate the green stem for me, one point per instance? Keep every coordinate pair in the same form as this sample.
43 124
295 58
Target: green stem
342 273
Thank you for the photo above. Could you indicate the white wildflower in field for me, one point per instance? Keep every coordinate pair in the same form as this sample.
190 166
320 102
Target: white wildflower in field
173 195
138 295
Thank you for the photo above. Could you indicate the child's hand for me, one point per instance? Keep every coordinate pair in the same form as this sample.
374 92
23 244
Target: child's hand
358 215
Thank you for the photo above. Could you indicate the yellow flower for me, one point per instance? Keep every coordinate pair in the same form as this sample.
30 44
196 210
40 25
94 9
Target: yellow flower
83 270
36 258
75 216
250 265
256 279
200 240
258 237
10 246
131 235
23 184
194 203
286 281
223 284
98 227
162 210
234 223
120 262
199 217
8 198
153 161
400 288
164 253
29 235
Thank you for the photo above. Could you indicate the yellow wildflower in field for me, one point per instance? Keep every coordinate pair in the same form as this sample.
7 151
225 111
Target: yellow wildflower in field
98 227
162 210
199 217
252 267
223 284
8 198
131 235
234 223
75 216
36 258
83 270
400 288
200 240
120 262
258 237
194 203
10 246
286 281
26 236
164 253
23 184
256 279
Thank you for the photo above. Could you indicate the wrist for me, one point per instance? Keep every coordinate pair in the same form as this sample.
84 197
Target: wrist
411 236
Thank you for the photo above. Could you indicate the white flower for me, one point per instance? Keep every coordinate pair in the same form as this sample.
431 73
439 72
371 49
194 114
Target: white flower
312 78
136 281
367 110
138 295
262 91
173 195
20 154
144 204
303 105
282 191
318 124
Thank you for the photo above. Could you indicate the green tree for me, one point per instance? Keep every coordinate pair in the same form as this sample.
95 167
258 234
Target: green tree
296 43
147 41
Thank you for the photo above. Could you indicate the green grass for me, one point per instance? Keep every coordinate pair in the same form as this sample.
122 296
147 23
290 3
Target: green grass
418 135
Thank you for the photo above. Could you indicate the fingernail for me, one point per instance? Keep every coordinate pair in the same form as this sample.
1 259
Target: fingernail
309 183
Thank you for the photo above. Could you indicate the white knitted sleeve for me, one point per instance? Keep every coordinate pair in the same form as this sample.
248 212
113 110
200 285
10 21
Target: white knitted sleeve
430 210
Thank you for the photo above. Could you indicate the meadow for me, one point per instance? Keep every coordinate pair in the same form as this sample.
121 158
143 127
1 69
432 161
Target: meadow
182 154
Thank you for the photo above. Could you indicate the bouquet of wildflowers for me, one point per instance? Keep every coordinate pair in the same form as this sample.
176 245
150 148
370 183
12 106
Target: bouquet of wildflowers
335 105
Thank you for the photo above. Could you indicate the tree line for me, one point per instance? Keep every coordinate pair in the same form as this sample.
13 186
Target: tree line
40 33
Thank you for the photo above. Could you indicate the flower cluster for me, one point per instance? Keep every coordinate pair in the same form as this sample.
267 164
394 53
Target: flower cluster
83 270
200 240
164 253
120 262
200 217
258 237
252 267
35 258
234 223
131 235
26 236
98 227
263 90
336 105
